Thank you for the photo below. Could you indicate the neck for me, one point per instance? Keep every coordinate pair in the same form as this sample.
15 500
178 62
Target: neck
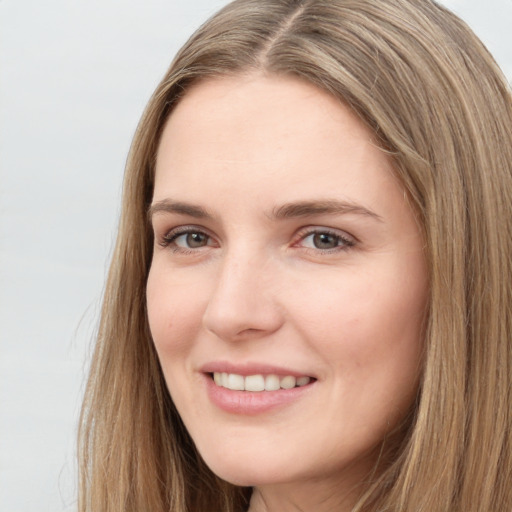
304 497
339 490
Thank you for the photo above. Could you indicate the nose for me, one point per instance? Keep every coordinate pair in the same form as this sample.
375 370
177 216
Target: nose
243 302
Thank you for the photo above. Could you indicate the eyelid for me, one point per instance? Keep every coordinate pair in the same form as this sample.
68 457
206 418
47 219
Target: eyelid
347 239
168 237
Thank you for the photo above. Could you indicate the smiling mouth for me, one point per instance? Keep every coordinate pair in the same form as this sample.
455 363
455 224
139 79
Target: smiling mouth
258 382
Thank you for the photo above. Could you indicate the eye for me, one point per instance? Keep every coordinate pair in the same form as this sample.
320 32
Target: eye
186 239
191 240
326 240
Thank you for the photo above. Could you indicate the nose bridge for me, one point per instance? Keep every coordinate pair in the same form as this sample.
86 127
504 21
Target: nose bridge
242 301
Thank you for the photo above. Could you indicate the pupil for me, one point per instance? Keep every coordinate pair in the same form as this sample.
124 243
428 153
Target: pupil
325 241
196 240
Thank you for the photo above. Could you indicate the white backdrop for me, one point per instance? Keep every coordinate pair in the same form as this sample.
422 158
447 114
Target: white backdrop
74 78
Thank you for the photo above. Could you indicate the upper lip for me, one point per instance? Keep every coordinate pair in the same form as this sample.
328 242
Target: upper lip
250 368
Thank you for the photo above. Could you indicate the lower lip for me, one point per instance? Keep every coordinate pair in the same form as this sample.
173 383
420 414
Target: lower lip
253 402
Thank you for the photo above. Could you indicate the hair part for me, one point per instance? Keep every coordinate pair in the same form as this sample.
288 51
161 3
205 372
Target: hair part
437 102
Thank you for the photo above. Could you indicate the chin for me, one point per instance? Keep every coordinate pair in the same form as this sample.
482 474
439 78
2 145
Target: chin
245 471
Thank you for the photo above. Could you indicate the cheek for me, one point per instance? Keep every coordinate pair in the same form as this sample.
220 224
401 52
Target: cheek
388 344
364 309
174 314
370 330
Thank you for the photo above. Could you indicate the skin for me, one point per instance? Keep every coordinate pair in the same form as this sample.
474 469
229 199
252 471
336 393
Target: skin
336 295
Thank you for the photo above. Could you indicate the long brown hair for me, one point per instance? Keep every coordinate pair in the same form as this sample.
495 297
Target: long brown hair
437 102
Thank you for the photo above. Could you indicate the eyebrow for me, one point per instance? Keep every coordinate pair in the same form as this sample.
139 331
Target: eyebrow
286 211
321 207
169 206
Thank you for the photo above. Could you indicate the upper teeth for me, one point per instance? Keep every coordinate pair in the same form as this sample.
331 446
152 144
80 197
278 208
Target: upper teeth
258 382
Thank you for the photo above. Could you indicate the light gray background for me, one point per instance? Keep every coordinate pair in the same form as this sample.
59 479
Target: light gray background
74 78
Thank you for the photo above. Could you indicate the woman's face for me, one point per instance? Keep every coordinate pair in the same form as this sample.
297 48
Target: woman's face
288 286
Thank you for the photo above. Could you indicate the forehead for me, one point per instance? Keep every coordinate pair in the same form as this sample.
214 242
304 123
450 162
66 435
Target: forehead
249 102
265 127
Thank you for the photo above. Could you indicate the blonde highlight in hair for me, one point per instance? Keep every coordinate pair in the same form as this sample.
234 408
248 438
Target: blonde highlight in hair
437 102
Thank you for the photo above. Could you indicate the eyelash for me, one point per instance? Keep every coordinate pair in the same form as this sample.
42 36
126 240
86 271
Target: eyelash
344 242
169 239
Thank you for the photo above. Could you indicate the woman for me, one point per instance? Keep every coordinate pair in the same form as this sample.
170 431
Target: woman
309 306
